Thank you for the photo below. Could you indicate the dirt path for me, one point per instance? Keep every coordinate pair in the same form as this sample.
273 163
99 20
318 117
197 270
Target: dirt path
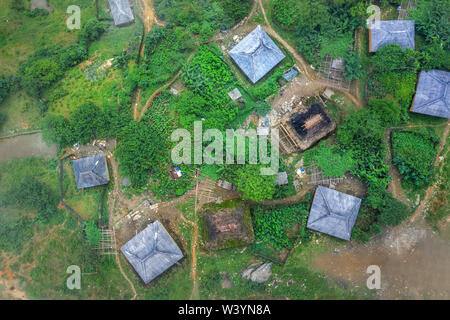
310 74
395 184
307 70
194 294
112 214
148 16
149 102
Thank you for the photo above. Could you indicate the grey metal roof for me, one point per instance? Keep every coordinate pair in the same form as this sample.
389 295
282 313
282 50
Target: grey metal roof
333 212
235 94
433 94
282 178
256 54
395 31
152 251
90 171
121 12
288 76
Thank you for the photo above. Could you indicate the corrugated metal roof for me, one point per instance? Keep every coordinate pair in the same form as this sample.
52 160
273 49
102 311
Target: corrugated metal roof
282 178
152 251
395 31
121 12
333 212
433 94
256 54
90 171
291 74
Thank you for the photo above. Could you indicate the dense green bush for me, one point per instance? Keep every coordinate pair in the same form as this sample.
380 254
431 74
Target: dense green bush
431 18
413 154
93 234
271 226
321 27
47 65
90 31
388 111
333 162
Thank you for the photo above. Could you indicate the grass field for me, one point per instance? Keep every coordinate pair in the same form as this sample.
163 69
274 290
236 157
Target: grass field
21 35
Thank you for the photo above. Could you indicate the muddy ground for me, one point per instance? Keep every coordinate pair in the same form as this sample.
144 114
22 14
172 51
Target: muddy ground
414 263
24 146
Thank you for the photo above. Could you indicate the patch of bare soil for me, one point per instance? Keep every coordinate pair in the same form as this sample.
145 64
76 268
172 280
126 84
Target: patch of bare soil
23 146
40 4
414 264
9 286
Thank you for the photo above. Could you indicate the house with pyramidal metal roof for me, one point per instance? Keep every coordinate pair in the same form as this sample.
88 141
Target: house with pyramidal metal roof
433 94
121 12
152 251
256 54
91 171
400 32
333 213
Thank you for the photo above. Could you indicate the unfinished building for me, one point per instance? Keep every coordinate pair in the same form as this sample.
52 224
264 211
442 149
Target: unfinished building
227 224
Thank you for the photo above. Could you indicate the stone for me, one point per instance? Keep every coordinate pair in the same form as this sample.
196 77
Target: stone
262 273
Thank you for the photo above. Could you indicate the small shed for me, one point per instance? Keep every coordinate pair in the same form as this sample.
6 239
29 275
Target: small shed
262 131
226 185
256 54
91 171
227 225
121 12
235 94
311 124
394 31
433 94
328 93
333 212
152 251
291 74
282 178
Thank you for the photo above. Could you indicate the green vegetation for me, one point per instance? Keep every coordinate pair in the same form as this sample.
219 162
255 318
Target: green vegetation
333 162
271 226
322 27
414 152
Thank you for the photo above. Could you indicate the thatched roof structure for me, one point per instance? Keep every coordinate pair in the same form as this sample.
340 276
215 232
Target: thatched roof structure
256 54
311 124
